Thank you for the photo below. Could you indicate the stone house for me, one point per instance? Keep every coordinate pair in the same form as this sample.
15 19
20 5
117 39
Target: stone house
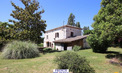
65 37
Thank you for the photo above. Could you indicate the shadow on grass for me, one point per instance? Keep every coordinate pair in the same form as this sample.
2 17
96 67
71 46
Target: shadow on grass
113 54
50 51
116 58
85 48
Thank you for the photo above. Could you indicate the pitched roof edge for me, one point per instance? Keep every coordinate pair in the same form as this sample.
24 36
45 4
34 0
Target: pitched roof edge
63 27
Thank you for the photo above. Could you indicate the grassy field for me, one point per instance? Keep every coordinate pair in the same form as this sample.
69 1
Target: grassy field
45 64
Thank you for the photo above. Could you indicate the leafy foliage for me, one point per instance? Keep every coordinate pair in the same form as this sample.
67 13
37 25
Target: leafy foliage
71 21
78 24
74 62
47 50
20 50
40 45
97 43
0 22
6 33
86 30
28 23
107 25
76 48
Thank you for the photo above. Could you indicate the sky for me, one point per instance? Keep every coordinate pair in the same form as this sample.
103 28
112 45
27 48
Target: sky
57 11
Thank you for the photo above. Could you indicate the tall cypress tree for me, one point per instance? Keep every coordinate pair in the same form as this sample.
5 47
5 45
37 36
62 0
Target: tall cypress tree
78 24
28 23
71 20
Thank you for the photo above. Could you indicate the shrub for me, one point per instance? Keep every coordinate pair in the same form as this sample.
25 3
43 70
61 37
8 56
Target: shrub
74 62
47 50
98 44
76 48
40 45
20 50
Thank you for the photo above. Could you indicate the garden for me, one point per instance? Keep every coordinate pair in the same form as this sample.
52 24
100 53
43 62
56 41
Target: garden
45 63
20 42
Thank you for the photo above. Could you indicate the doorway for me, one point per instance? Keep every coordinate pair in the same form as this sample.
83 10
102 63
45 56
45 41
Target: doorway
65 46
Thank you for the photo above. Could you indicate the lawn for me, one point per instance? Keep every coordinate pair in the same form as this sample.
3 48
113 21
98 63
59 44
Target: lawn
45 64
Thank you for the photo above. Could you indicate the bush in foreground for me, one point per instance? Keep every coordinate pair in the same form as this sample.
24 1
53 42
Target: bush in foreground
20 50
76 48
74 62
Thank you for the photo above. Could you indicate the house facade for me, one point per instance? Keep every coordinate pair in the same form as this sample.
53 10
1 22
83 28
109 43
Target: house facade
64 38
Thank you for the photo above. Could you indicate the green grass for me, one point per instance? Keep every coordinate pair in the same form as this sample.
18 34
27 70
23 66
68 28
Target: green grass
45 64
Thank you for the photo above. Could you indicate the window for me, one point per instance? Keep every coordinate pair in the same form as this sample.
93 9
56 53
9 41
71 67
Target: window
56 35
47 36
72 34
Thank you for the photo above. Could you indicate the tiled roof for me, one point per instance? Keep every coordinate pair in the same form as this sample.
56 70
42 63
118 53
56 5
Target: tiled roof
68 40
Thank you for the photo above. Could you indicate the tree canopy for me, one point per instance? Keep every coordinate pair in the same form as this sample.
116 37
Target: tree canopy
78 24
86 30
6 33
107 25
71 21
28 24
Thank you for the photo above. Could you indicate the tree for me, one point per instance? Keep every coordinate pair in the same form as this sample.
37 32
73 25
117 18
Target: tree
107 25
71 20
78 24
86 30
28 23
0 22
6 33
